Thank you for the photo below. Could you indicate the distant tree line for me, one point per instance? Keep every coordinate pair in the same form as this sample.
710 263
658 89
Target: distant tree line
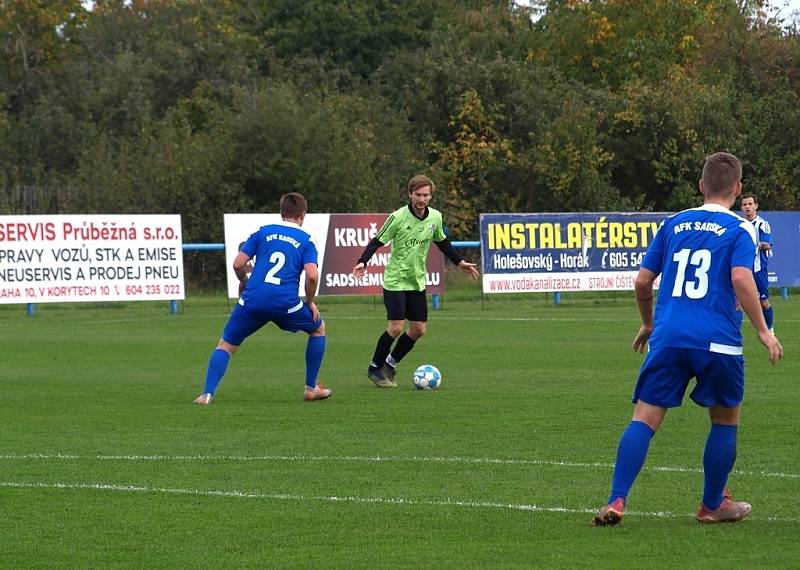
201 107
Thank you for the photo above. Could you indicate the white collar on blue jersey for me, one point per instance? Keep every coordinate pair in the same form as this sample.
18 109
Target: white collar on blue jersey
715 208
288 224
719 209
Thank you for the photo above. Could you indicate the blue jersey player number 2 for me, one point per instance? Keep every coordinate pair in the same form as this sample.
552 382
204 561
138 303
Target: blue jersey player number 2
282 251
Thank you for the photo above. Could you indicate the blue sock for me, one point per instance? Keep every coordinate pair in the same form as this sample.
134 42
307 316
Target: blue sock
718 460
216 370
631 453
769 316
315 351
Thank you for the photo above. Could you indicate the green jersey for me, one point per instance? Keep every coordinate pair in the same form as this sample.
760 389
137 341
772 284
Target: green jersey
411 239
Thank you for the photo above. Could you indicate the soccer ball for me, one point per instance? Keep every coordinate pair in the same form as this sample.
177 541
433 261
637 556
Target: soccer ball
427 377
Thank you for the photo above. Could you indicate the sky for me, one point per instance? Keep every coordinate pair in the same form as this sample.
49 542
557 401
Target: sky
786 7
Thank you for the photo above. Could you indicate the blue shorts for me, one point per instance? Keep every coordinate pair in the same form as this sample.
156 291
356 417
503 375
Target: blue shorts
666 372
244 321
762 283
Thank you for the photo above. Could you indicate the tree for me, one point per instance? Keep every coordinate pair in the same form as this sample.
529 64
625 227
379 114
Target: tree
464 166
615 41
35 39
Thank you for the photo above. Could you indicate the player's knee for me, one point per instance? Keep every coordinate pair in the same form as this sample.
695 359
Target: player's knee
319 332
417 332
395 328
226 346
724 415
765 303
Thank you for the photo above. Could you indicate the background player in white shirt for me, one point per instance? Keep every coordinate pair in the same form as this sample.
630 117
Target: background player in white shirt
749 206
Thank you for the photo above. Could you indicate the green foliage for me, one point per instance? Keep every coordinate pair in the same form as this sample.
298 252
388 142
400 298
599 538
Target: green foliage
569 165
356 36
36 38
616 41
465 165
205 107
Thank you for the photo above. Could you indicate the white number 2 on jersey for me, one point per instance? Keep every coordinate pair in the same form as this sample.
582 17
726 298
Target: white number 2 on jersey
701 261
278 259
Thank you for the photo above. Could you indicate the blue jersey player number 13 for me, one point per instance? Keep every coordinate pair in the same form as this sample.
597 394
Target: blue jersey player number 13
705 257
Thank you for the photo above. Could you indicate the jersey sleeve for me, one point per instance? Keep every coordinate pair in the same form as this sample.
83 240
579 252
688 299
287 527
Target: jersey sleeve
654 258
745 248
250 247
766 232
310 252
438 232
389 229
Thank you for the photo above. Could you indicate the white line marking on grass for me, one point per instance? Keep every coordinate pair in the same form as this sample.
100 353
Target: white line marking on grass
350 499
380 459
522 319
324 498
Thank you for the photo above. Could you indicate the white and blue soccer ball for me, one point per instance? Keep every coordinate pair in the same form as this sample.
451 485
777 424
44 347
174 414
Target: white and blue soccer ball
427 377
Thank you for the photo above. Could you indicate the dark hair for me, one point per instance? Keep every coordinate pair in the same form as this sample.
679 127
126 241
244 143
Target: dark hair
420 181
293 205
745 196
721 172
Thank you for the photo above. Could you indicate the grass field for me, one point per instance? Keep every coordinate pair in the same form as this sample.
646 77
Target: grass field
105 463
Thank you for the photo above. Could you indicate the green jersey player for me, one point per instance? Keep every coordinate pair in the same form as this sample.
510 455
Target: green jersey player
411 230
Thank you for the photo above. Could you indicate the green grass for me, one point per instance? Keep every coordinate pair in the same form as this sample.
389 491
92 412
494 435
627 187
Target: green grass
105 463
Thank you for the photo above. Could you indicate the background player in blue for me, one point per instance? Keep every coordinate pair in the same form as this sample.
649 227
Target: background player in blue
282 252
705 258
749 206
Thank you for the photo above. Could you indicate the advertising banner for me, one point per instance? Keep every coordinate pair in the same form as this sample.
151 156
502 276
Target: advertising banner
69 258
784 265
597 251
564 252
340 239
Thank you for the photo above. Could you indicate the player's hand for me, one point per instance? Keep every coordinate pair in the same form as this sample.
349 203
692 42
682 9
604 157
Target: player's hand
772 345
359 270
469 268
640 340
314 311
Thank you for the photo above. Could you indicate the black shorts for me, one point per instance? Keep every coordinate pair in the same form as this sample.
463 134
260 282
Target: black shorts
411 305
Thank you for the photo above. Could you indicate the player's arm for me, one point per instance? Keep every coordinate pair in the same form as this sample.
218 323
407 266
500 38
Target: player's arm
361 267
240 269
446 247
765 239
312 280
746 293
643 286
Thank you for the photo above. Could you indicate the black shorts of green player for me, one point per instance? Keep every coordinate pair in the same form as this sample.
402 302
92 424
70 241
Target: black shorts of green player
411 230
406 305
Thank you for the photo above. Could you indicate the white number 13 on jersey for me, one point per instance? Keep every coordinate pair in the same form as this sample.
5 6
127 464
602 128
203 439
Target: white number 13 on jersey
278 259
701 261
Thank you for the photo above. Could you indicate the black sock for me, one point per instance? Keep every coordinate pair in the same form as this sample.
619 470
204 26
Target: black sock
382 349
404 345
